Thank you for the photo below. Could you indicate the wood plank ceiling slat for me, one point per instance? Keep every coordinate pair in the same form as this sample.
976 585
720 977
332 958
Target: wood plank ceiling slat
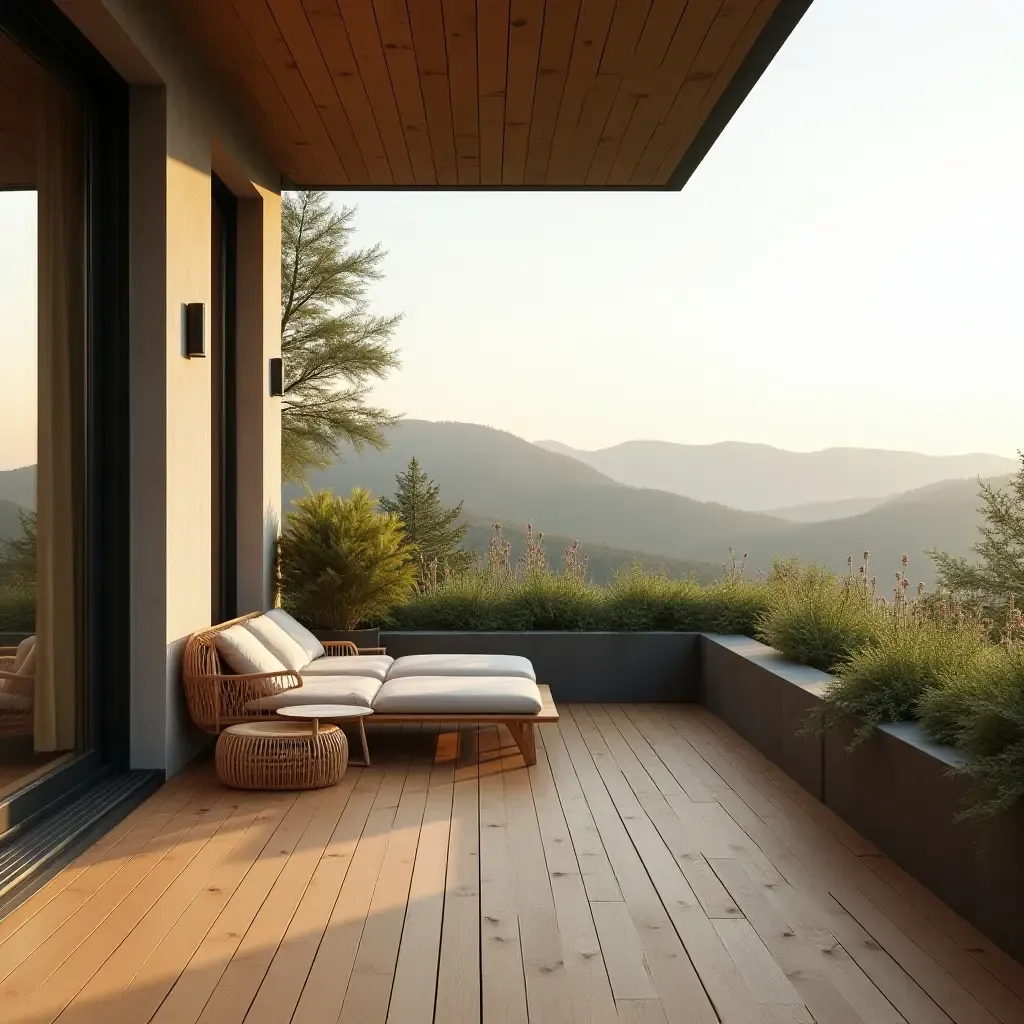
560 17
651 69
361 25
326 22
225 41
427 25
676 132
623 38
302 44
283 66
396 36
636 73
492 57
697 34
460 35
526 22
591 33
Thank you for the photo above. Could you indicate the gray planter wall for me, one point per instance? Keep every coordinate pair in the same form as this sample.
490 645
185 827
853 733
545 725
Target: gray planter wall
895 789
766 699
581 666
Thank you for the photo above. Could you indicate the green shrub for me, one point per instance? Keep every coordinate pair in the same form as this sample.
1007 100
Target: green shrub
991 732
815 617
885 679
541 599
341 563
17 608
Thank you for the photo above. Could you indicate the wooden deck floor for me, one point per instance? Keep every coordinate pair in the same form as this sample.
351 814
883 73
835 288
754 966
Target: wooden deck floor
650 868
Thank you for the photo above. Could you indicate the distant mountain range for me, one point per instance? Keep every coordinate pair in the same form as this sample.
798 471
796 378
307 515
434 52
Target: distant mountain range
758 477
503 478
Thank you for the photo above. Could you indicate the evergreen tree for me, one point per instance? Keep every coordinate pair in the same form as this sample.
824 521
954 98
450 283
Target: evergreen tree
999 575
434 529
333 348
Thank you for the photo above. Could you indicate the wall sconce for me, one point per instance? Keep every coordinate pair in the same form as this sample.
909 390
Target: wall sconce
276 377
195 330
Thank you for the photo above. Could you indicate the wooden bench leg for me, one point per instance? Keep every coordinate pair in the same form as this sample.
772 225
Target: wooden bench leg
526 739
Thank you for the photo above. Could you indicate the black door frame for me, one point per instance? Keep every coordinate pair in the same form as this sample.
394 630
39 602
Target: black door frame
225 432
104 655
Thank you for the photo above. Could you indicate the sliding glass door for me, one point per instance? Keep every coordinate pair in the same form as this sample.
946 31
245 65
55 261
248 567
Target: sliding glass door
64 525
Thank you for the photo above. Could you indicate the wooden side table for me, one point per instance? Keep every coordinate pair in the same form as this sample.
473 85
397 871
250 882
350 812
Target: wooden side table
315 713
281 755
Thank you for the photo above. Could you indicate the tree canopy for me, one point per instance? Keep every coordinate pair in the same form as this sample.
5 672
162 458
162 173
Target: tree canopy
333 347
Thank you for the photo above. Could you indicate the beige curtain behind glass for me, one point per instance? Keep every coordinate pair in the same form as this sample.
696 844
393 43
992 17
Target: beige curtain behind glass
61 242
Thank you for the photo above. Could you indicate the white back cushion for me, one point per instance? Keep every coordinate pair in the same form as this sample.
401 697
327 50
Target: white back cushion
25 659
508 665
289 652
244 653
298 632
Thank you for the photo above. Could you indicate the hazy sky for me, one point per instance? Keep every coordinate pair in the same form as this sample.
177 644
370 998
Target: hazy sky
845 267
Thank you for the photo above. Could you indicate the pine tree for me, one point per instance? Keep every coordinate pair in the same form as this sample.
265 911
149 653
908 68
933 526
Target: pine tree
333 348
434 529
999 575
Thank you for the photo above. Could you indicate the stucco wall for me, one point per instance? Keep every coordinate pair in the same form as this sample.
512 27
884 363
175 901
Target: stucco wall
184 128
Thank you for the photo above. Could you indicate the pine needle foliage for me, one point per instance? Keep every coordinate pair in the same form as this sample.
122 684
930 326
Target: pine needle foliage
341 563
432 528
885 679
333 347
998 576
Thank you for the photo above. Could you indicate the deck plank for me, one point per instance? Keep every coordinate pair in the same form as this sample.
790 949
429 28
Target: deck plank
649 869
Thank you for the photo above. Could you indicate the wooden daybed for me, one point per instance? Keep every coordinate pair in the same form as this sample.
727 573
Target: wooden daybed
218 697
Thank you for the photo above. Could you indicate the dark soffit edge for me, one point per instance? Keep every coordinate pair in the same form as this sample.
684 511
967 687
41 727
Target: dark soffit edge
776 31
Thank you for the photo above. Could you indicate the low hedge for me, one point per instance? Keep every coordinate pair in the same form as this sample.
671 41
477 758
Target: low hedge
635 602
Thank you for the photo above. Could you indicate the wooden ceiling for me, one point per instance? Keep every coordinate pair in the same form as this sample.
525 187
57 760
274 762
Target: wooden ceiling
19 82
488 93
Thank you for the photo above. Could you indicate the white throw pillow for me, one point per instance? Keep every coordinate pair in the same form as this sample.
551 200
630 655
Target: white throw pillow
298 632
289 652
244 653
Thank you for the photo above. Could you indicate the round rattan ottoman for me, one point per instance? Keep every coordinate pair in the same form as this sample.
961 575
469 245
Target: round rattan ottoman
281 755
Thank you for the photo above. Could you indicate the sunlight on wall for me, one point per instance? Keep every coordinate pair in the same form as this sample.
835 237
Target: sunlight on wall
18 328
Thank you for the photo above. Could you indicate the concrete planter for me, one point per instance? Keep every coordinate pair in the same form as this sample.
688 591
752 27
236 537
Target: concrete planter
896 790
360 637
766 699
581 666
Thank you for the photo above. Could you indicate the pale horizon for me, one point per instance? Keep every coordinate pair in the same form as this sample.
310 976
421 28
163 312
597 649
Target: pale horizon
841 271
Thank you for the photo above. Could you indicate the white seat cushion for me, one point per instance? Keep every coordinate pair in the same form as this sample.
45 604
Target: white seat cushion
298 632
357 691
458 695
507 665
244 652
289 652
375 665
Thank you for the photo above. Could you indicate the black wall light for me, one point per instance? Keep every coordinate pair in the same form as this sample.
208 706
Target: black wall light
276 377
195 330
